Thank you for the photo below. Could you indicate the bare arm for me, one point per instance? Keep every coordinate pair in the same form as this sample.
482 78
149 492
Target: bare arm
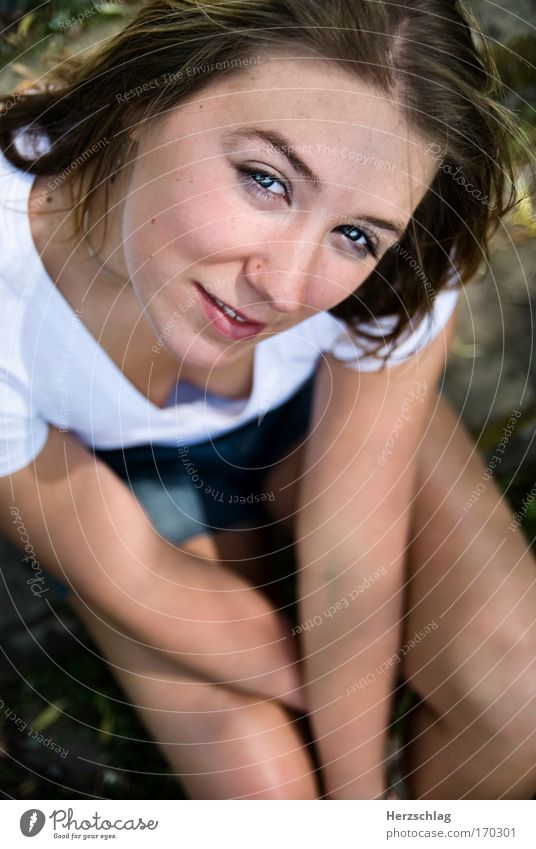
353 525
87 529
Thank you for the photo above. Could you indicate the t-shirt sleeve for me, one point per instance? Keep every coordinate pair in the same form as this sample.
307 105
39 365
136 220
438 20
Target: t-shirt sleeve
23 427
355 353
23 432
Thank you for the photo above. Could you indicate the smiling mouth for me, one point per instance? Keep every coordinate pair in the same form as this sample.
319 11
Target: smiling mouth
238 317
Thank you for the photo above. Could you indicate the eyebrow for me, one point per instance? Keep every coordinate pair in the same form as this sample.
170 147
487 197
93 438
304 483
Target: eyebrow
286 149
395 227
283 146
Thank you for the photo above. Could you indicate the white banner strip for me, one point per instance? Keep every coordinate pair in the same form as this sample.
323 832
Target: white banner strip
269 825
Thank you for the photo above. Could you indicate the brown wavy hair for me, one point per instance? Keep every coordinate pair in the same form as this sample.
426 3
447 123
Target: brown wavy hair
422 54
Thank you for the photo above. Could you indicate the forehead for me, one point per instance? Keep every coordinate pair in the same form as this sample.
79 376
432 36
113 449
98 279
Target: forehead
347 131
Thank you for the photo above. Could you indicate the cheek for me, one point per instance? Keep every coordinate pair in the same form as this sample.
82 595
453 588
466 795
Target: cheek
174 225
338 279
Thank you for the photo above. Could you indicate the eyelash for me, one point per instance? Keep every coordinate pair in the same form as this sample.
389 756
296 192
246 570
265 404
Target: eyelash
362 250
250 173
248 176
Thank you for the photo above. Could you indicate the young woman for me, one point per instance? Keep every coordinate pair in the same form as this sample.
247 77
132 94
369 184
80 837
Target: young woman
232 244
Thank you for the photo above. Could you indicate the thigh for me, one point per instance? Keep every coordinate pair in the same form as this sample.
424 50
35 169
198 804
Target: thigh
468 648
471 584
283 480
243 547
221 743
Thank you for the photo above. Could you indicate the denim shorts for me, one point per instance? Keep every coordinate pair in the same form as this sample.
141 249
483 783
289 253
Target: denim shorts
209 487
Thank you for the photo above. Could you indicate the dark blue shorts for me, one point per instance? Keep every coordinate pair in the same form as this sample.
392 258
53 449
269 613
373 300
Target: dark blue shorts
209 487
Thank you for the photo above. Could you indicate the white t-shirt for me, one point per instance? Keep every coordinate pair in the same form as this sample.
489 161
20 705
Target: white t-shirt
53 371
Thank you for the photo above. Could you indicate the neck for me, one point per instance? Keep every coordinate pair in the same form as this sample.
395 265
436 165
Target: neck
103 232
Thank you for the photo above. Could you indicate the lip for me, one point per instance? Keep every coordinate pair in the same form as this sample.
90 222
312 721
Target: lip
221 322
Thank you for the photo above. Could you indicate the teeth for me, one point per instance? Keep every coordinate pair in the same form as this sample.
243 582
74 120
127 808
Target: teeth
228 311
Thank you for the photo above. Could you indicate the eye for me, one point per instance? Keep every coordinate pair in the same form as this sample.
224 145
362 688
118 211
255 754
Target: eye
264 184
362 241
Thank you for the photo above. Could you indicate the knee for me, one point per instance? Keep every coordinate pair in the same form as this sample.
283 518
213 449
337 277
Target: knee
202 545
500 702
277 765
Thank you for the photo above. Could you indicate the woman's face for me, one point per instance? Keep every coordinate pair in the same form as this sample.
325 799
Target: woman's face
276 190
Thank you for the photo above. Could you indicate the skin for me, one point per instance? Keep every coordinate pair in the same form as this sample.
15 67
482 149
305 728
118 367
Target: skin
184 212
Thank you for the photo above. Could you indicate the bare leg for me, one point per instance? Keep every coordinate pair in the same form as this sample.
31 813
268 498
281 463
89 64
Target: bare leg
474 736
221 743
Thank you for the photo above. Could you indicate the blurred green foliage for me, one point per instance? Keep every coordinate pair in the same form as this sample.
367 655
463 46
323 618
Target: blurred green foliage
517 490
109 754
25 24
516 64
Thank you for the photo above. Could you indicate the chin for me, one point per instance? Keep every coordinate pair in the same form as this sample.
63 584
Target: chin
196 353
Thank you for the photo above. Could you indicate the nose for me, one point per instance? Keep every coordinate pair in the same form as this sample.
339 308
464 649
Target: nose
282 272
